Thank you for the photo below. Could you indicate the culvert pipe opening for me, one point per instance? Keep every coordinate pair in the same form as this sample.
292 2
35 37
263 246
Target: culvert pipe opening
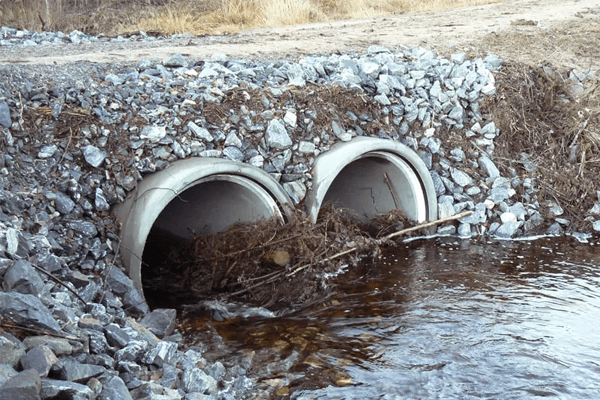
214 204
193 196
371 177
377 184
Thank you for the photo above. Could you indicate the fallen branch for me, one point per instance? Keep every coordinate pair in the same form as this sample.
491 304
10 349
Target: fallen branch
55 279
425 225
272 278
4 325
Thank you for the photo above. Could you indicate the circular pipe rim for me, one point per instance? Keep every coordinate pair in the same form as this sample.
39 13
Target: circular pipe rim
328 165
139 212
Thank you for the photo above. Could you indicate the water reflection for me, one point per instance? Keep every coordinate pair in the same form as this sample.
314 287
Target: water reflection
446 319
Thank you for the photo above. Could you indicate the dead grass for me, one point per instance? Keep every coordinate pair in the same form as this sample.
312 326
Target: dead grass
199 17
539 115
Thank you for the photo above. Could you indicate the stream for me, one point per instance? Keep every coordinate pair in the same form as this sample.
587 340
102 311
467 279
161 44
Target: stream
438 318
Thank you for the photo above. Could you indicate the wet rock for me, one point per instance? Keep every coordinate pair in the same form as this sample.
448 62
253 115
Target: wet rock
39 358
508 229
28 311
161 322
25 385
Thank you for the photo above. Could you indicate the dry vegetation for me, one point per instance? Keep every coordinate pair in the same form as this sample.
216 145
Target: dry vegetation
112 17
556 124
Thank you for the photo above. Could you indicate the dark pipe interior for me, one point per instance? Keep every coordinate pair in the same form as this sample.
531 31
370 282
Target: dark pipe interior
209 207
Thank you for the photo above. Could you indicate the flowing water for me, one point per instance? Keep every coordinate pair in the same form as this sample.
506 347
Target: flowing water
441 319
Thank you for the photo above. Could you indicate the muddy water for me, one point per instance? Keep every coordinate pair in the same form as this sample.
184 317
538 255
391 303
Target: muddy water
440 319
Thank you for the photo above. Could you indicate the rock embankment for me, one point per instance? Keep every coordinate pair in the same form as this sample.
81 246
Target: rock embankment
75 139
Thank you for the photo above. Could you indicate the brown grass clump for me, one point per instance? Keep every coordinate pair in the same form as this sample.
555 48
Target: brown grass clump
556 124
199 17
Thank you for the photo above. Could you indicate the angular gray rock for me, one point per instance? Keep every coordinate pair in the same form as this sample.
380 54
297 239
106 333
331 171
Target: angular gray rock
25 385
162 353
5 119
115 336
175 61
40 358
489 167
135 303
114 389
28 311
93 155
134 351
276 136
56 389
63 203
296 190
161 321
195 380
460 178
23 278
59 346
73 371
85 228
11 350
118 282
200 132
153 133
508 229
6 372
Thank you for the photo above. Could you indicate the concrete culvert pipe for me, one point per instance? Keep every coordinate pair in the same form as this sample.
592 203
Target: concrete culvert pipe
373 176
197 195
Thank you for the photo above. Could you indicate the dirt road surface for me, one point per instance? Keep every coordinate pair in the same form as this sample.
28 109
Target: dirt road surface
560 32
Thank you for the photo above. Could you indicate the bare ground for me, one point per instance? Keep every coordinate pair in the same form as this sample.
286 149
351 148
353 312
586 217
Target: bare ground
559 32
